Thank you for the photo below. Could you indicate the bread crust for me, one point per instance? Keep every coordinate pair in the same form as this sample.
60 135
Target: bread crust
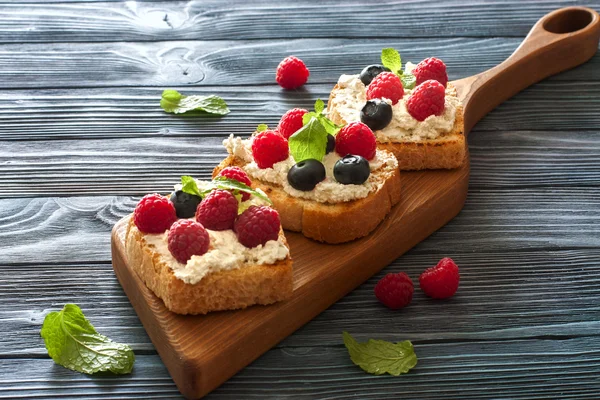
221 290
448 151
330 223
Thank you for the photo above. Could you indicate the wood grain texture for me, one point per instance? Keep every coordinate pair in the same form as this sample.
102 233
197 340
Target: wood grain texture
228 62
524 325
524 302
216 20
138 166
135 113
492 220
518 369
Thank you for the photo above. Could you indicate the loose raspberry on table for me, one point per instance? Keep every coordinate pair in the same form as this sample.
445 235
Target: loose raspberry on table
385 85
356 139
238 174
395 290
218 210
427 99
268 148
441 281
431 68
291 122
154 214
257 225
187 238
291 73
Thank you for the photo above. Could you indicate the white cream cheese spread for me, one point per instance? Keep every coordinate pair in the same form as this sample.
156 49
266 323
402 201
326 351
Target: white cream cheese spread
327 191
351 97
225 253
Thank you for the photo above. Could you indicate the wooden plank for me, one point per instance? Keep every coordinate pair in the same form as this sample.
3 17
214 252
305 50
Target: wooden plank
215 20
135 112
138 166
529 295
519 369
244 62
519 219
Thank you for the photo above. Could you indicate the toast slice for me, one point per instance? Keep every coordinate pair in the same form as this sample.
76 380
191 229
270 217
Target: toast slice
219 290
326 222
447 151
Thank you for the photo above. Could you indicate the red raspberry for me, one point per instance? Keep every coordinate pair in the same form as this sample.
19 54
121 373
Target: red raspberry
238 174
291 122
218 210
257 225
395 290
427 99
186 239
441 281
357 139
268 148
291 73
431 68
154 214
386 84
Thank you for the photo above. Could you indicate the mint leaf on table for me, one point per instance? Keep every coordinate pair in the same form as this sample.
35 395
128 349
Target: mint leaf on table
379 357
221 182
174 102
72 342
408 80
390 58
308 142
189 185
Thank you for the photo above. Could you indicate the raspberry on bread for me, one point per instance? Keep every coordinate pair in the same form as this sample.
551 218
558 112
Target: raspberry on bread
196 269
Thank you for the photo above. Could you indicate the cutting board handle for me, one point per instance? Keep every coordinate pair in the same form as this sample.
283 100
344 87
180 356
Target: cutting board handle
559 41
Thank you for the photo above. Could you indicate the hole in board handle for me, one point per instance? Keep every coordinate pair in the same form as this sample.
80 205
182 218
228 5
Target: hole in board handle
568 21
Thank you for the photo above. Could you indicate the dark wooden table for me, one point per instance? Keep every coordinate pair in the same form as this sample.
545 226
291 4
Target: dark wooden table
82 138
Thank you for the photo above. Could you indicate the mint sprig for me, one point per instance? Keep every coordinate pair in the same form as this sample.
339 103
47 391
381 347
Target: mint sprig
319 114
222 182
390 58
189 185
72 342
379 357
174 102
308 142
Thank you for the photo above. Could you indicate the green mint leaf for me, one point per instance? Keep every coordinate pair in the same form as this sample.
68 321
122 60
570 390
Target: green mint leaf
222 182
308 116
379 357
189 185
390 58
309 142
329 126
72 342
174 102
408 80
319 106
262 128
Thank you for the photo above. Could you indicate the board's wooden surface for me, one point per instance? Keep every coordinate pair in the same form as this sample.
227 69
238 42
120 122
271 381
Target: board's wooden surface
201 352
525 324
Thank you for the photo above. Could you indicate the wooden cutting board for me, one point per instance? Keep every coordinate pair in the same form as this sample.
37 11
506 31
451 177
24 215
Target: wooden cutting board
201 352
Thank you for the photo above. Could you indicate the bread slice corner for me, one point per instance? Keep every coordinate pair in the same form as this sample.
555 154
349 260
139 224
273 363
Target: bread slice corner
217 291
448 151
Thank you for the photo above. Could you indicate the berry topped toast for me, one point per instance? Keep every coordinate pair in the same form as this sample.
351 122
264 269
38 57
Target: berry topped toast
331 188
210 246
414 113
